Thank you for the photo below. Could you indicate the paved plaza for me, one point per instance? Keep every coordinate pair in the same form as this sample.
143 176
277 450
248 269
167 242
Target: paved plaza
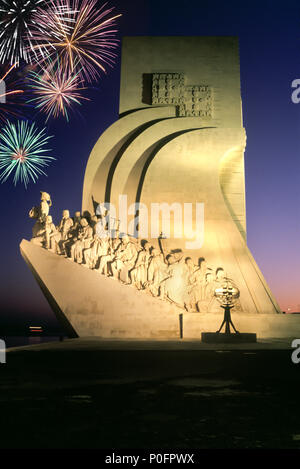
92 393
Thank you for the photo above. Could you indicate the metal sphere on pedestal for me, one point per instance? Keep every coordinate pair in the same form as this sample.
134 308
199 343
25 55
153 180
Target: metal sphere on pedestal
228 294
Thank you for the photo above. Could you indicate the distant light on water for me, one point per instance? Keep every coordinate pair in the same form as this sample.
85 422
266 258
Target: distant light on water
36 329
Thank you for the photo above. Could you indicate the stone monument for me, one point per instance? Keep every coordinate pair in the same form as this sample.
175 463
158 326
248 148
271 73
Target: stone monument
163 219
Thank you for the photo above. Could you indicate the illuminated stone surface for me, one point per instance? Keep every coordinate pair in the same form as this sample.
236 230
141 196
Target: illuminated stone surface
88 304
94 305
153 156
179 139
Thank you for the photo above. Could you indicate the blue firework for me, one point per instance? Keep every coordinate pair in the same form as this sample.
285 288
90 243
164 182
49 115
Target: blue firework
23 152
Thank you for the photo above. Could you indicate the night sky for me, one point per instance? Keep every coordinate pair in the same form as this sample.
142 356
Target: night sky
269 35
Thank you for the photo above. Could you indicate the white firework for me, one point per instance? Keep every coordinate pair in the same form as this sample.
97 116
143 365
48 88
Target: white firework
16 23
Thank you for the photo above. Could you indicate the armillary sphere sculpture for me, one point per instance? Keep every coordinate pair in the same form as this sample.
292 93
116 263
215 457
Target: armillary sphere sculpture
227 295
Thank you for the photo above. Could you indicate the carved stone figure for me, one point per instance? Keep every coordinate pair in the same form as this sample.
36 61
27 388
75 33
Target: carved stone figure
105 260
139 274
104 246
43 231
45 205
101 228
76 228
63 229
50 231
73 234
203 270
209 286
197 284
115 241
99 247
174 279
157 273
176 287
65 225
218 280
124 261
93 222
220 276
39 214
109 248
38 233
39 226
77 218
84 240
191 280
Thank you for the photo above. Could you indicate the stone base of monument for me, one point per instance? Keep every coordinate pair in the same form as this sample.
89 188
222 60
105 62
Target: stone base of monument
223 338
89 304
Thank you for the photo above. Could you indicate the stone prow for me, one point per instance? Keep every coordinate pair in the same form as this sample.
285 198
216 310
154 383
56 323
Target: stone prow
90 304
87 304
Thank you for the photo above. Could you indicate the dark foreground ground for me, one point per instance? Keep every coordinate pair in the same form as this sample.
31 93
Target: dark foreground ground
80 394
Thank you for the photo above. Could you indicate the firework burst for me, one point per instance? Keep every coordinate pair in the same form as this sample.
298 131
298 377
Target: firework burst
16 20
56 90
83 37
22 152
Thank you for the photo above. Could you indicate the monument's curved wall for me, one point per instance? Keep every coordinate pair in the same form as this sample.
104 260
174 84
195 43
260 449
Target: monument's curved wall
232 181
186 170
140 152
109 149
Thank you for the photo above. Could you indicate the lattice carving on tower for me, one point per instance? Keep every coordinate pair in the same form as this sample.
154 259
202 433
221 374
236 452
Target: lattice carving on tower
192 101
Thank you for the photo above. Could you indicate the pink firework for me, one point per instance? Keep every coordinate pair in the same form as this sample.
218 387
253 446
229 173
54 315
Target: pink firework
82 35
56 90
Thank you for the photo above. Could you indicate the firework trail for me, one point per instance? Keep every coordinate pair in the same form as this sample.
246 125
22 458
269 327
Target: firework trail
56 90
83 37
10 96
16 20
22 152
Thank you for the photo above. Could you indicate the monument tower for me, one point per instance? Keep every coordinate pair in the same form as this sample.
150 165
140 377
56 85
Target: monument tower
180 138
